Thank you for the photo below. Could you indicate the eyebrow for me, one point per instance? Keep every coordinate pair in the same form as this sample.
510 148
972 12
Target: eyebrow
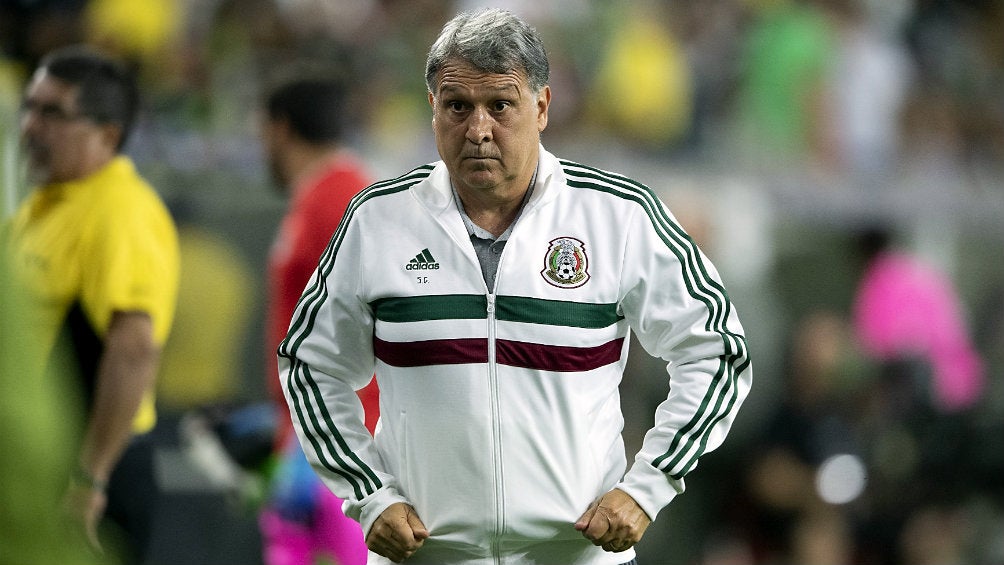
447 89
46 106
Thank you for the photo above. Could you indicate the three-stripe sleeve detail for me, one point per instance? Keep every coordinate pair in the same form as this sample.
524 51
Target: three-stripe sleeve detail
690 441
316 423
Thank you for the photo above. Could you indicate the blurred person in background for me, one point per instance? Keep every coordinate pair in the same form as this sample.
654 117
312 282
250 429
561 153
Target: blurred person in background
311 165
908 315
493 293
97 252
869 78
645 53
908 318
781 100
787 514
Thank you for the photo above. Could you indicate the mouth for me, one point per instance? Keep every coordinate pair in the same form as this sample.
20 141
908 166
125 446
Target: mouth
480 163
36 157
480 158
32 146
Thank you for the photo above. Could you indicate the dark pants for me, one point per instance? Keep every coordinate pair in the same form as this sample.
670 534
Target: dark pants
132 498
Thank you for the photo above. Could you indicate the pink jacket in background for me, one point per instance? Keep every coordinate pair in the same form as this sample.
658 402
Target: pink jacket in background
904 308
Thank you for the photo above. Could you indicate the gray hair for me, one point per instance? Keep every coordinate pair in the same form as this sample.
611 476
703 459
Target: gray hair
493 40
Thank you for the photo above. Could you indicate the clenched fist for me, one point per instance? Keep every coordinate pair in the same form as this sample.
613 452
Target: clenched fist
614 522
398 533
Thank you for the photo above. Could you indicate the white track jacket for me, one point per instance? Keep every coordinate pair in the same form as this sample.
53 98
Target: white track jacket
500 418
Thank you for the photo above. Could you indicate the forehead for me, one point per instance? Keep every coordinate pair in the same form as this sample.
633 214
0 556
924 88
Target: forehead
45 87
458 75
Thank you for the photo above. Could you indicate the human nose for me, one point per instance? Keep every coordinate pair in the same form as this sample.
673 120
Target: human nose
29 122
479 126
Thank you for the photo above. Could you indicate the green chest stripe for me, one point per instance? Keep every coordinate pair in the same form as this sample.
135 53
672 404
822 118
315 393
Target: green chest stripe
556 312
438 307
507 308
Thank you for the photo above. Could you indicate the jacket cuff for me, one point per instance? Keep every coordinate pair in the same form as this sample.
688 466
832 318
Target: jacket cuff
650 488
367 510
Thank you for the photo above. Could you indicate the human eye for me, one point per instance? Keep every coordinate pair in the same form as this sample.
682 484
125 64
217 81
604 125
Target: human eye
47 111
501 105
455 106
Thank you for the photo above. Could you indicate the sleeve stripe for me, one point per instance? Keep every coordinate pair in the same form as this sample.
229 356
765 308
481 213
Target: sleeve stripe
329 447
295 393
691 440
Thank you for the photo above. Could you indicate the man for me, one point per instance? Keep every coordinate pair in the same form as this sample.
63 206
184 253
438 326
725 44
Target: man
97 252
302 139
493 293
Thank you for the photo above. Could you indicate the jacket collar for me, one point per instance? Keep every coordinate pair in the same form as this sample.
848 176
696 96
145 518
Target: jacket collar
437 195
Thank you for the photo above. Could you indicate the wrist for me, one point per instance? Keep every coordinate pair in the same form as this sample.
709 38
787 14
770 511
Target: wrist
83 478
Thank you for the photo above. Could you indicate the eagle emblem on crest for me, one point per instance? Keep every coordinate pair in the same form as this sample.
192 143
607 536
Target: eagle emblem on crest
565 264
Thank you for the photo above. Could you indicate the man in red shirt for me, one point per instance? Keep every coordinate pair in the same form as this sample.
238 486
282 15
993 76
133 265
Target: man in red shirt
302 140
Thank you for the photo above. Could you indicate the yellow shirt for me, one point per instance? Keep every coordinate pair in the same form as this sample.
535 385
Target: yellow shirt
87 248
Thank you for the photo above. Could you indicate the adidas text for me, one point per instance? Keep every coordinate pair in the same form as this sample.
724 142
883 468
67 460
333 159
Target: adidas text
424 261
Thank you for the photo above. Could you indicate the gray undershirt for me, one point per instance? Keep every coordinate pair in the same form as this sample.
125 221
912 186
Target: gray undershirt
487 247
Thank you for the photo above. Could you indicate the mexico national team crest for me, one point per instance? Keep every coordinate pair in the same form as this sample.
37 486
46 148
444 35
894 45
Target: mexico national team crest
565 264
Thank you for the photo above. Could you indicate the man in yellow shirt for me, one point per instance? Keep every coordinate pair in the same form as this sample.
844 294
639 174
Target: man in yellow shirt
97 252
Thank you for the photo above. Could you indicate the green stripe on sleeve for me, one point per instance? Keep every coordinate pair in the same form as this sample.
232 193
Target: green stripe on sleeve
692 438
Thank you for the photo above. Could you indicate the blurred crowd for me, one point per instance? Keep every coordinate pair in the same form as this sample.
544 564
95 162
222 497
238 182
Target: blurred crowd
831 156
855 88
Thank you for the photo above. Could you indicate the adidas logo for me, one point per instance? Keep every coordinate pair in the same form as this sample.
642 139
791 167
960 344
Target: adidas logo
422 262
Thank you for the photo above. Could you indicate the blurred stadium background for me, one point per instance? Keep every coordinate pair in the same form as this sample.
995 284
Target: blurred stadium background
779 131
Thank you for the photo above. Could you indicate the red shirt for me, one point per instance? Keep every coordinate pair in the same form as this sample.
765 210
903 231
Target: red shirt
316 208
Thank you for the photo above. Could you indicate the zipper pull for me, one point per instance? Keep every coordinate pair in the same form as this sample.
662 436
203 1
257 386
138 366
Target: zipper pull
491 303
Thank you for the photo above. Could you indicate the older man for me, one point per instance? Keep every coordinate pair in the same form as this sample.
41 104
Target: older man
493 294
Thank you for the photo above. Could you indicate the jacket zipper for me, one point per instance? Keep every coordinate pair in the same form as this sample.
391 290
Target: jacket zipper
496 435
